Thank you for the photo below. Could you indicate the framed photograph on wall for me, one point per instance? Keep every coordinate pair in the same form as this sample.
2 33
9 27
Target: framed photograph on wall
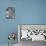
32 32
10 13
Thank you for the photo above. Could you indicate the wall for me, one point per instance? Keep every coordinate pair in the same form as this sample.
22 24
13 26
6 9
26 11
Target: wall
31 11
27 12
6 25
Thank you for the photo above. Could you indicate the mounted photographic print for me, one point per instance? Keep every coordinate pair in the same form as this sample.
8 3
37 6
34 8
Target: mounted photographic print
10 13
32 32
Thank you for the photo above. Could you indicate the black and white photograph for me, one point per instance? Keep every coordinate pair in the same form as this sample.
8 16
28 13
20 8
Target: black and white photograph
31 35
